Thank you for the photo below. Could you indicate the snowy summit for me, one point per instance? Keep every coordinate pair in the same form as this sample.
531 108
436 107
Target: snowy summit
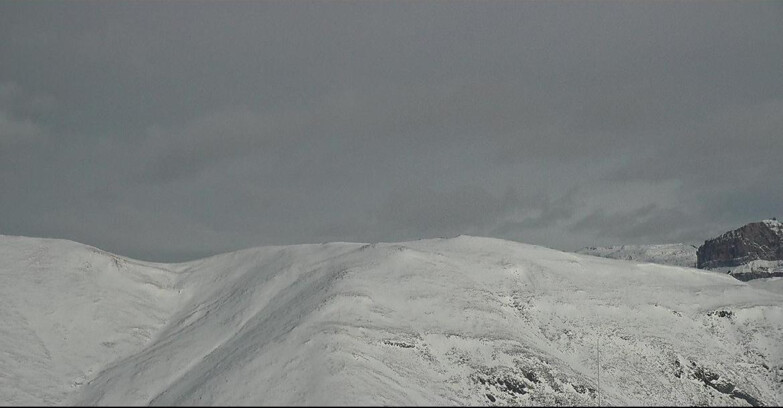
457 321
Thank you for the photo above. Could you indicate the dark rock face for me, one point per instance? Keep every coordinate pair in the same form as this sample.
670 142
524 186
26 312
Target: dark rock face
755 275
754 241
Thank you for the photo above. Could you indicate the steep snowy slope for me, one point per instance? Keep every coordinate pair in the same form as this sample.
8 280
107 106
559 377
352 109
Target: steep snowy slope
665 254
68 310
447 321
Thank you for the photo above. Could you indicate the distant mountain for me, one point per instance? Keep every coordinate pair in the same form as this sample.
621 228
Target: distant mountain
665 254
461 321
752 251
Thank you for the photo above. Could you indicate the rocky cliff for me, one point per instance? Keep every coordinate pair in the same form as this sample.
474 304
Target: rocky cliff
752 242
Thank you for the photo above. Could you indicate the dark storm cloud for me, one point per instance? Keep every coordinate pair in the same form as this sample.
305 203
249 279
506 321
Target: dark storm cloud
173 130
662 224
443 213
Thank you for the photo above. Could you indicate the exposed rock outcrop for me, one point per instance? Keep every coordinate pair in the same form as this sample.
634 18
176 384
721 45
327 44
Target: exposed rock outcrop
753 251
752 242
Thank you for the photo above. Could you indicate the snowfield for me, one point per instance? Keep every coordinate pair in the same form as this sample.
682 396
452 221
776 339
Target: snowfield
456 321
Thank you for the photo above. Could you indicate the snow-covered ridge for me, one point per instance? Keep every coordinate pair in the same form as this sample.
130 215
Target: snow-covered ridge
68 310
665 254
773 225
466 320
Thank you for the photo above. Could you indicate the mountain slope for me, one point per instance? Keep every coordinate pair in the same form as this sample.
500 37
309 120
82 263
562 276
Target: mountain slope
67 310
447 321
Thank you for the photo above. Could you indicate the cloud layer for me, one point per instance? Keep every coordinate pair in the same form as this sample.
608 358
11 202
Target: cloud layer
170 131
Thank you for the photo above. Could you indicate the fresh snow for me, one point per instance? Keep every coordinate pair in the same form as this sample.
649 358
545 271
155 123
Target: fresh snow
456 321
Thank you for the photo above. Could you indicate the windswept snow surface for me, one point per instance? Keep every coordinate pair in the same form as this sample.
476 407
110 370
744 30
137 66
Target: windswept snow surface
433 322
665 254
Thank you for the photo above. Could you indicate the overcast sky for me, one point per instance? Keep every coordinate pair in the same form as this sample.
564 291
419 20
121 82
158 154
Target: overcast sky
169 131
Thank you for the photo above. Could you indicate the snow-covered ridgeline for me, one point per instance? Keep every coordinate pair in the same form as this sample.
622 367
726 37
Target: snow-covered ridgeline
447 321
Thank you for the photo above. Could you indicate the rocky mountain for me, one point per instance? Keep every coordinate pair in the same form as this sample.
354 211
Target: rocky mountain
664 254
461 321
752 251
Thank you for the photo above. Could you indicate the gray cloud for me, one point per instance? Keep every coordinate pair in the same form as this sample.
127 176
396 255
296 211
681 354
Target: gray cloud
423 211
171 130
647 221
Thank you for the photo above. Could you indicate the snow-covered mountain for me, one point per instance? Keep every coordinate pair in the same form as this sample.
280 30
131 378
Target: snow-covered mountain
456 321
665 254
